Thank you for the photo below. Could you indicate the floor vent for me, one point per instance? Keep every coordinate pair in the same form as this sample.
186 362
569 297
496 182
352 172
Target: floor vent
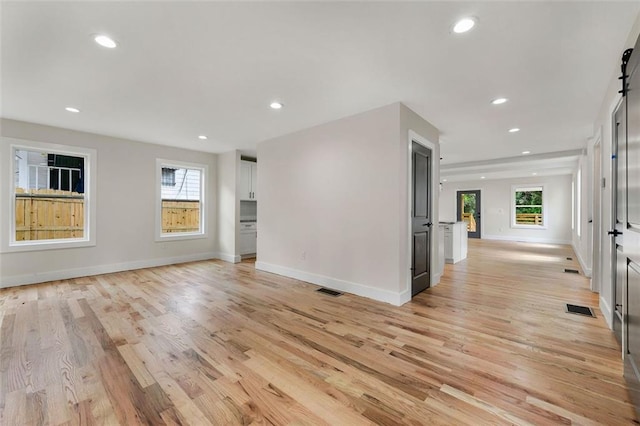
329 292
569 258
571 271
579 310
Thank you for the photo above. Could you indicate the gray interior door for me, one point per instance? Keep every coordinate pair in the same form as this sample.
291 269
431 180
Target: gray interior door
421 219
469 211
627 227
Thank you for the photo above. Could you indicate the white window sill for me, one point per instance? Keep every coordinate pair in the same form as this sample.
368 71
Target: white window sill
180 236
37 245
528 227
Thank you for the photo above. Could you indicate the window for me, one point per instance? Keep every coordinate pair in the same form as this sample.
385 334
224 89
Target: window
528 209
180 209
168 177
50 196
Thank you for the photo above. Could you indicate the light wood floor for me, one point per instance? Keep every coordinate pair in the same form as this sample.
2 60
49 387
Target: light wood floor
212 342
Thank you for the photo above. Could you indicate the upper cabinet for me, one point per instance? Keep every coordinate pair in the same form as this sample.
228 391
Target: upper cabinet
248 180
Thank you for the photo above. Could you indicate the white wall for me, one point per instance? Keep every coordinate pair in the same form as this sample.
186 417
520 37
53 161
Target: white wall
496 208
126 197
582 244
228 214
333 203
602 126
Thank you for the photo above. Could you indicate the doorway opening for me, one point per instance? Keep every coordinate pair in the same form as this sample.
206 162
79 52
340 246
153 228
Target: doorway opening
469 208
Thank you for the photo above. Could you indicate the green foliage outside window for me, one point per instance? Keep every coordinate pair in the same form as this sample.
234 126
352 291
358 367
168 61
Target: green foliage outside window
528 204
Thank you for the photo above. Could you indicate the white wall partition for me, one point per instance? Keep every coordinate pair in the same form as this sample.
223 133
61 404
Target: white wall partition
333 203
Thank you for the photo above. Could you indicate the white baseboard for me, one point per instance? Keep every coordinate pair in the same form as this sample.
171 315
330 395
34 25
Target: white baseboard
233 258
386 296
587 271
65 274
525 239
436 279
606 312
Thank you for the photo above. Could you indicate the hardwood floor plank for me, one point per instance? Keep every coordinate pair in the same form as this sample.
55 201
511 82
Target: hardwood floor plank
36 408
219 343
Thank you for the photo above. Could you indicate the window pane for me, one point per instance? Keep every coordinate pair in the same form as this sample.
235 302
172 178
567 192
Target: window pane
528 198
181 201
46 207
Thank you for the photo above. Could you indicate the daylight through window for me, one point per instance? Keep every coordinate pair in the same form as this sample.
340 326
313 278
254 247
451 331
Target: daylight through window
49 195
528 206
181 195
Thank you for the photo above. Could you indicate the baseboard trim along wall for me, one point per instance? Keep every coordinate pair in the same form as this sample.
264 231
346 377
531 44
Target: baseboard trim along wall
386 296
526 239
587 271
606 312
233 258
65 274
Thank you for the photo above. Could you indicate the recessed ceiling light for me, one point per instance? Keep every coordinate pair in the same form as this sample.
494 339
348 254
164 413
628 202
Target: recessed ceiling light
464 25
276 105
534 173
444 180
514 130
105 41
482 177
499 101
72 109
203 137
526 152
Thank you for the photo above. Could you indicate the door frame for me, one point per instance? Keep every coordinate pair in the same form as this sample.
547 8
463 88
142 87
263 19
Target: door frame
435 229
478 206
609 255
596 214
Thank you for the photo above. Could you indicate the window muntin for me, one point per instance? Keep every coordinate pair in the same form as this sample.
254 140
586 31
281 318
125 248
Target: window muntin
181 200
528 207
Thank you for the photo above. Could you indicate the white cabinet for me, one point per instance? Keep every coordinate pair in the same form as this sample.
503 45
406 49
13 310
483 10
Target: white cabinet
248 238
455 242
248 180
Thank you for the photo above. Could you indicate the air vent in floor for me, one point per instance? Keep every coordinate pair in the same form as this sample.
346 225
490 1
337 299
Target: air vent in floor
571 271
579 310
329 292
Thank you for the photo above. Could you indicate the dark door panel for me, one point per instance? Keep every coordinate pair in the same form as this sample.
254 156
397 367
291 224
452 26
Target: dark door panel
421 219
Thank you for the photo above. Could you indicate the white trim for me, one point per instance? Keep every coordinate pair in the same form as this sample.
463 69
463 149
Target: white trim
583 265
204 175
227 257
9 243
606 312
528 187
437 278
608 261
64 274
435 192
386 296
523 239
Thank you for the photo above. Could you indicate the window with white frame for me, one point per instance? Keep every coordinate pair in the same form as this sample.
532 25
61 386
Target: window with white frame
50 196
528 206
180 206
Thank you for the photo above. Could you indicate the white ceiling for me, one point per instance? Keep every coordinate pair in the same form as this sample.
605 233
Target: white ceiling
183 69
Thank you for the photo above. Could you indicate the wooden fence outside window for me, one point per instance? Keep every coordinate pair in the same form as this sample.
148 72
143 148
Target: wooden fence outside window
180 216
49 214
